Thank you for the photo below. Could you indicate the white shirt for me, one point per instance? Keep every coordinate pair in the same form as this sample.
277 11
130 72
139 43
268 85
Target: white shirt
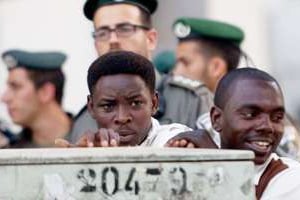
204 122
159 135
285 185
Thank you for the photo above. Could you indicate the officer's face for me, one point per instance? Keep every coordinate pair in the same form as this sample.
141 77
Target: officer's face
252 118
125 104
190 62
21 97
141 42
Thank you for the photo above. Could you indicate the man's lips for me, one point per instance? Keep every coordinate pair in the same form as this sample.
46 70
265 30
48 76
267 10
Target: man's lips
260 146
126 136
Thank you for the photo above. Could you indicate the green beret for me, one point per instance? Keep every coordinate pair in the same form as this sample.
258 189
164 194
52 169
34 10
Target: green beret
33 60
204 28
91 6
164 61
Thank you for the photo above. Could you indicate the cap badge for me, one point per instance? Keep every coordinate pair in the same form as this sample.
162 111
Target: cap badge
10 61
182 30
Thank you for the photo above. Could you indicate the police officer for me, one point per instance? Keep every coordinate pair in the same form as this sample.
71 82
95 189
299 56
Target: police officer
33 96
118 25
206 50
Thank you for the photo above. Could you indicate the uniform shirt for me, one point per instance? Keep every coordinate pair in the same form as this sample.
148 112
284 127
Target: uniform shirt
283 186
185 100
82 122
159 135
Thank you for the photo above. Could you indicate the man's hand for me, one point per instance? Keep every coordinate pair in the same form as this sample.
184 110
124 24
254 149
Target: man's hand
102 138
192 139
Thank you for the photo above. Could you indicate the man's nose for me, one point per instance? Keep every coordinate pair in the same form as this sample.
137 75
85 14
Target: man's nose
266 124
123 116
5 96
113 38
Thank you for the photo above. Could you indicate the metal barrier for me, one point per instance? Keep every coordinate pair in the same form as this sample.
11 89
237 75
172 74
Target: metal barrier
131 173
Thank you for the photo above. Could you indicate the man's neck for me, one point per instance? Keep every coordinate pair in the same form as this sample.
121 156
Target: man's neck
51 123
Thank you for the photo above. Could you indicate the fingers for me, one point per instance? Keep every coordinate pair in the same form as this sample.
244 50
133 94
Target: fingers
190 145
107 138
104 137
61 143
114 138
86 140
182 143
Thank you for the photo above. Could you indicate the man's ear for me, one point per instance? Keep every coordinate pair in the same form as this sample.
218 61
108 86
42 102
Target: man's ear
218 66
155 102
47 92
152 38
90 105
216 116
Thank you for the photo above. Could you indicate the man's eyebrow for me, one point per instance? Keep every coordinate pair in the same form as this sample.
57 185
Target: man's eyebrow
256 107
102 27
108 27
134 96
250 106
108 99
280 109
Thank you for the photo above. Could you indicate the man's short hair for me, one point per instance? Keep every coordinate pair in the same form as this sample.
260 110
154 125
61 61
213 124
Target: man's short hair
56 77
145 18
121 62
230 52
223 92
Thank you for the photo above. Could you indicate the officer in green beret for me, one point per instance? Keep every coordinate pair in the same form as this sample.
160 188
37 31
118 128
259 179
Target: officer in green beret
34 95
206 51
118 25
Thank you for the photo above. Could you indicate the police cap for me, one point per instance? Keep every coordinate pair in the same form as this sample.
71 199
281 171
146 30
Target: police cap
33 60
185 28
91 6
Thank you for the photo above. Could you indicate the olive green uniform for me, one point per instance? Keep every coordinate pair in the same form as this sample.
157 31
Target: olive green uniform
185 100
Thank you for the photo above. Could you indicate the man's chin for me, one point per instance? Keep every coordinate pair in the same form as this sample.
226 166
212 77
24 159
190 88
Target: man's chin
259 160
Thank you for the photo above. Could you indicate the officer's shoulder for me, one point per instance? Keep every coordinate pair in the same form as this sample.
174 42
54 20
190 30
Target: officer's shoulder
186 83
80 113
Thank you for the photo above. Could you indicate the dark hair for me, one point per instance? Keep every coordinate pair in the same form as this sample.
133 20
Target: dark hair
222 93
145 18
56 77
227 50
121 62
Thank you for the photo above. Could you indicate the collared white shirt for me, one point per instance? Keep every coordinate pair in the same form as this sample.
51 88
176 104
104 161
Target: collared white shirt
159 135
285 185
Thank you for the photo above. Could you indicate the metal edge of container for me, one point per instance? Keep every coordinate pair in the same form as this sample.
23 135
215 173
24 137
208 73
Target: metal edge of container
118 155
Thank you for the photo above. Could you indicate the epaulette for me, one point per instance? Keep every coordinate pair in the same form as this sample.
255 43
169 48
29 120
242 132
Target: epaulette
184 82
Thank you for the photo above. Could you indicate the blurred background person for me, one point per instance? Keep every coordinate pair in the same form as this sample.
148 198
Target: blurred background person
165 61
33 97
206 51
